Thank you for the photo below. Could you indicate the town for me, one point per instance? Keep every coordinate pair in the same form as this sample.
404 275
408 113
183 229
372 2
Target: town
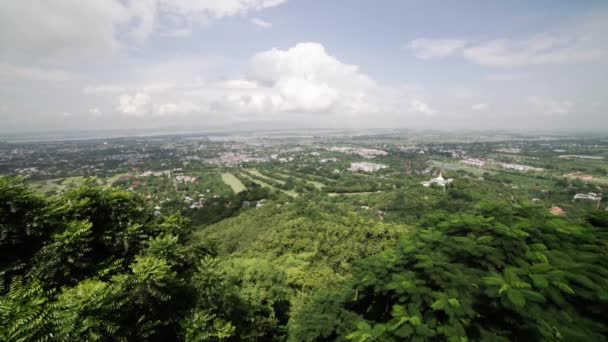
195 173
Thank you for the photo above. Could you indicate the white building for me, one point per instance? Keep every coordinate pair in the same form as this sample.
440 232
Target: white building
519 167
474 162
591 196
366 167
439 181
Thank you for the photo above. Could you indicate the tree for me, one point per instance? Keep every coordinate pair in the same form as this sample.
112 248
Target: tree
545 278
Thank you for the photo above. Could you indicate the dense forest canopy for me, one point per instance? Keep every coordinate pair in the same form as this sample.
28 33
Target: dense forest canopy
95 264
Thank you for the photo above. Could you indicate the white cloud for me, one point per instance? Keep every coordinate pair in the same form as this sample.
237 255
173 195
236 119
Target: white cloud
67 114
61 27
550 107
261 23
9 71
576 44
95 112
68 29
279 83
171 109
103 89
506 76
479 106
536 50
136 105
434 48
418 106
179 32
304 79
217 8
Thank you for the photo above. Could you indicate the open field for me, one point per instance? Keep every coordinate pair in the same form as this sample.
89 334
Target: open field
111 180
334 194
230 180
316 184
261 175
458 166
266 185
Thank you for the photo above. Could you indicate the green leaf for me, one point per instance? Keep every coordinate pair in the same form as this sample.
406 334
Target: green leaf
493 281
563 287
415 321
539 281
438 304
516 298
540 268
454 302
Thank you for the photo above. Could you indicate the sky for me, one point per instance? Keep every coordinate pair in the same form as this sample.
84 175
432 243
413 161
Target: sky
73 65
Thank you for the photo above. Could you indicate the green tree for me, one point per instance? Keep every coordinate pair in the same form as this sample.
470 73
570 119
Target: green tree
508 274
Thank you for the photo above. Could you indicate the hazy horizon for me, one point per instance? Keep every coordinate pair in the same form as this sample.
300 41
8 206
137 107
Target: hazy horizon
176 66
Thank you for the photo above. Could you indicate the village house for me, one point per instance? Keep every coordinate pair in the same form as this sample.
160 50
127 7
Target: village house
366 167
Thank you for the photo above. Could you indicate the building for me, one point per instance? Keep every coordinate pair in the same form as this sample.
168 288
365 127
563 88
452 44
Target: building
366 167
474 162
185 179
367 153
439 180
591 196
519 167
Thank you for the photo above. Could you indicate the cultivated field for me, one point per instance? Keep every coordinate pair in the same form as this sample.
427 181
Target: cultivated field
233 182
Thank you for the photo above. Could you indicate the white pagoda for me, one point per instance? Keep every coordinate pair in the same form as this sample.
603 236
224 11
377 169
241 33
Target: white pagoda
439 180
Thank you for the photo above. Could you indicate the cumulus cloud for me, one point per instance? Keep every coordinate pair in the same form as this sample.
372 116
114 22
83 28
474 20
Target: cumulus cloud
306 79
69 28
136 105
62 27
261 23
302 79
418 106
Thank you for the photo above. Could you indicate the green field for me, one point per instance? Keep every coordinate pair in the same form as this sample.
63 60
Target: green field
233 182
257 173
316 184
334 194
266 185
111 180
458 166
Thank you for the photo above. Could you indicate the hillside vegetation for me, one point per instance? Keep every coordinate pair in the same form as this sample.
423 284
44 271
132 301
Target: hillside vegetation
95 264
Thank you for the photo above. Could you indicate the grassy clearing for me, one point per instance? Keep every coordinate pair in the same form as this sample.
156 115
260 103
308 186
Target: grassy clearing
290 193
334 194
111 180
230 180
457 166
316 184
259 174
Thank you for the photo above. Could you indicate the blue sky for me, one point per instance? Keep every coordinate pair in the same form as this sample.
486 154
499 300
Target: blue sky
222 64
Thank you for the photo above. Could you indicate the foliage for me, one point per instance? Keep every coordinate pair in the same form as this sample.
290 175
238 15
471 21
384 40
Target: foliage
505 273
